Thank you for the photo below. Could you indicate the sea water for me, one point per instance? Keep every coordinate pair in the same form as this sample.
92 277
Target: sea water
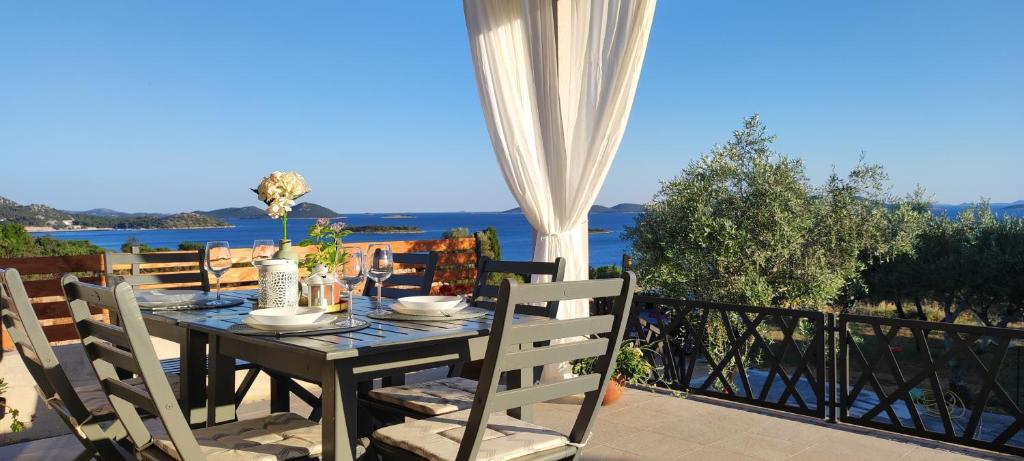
513 230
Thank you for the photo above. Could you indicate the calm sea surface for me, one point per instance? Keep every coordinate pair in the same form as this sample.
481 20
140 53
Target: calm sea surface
513 230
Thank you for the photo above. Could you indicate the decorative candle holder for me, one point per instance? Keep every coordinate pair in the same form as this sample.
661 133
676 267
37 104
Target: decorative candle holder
279 283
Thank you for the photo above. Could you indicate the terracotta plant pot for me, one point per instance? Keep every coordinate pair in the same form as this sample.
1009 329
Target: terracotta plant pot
616 387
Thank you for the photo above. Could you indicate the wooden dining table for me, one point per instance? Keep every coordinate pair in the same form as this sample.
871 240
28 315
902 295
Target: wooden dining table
343 364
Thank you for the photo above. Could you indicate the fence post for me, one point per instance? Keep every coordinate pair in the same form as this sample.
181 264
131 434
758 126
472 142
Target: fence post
830 376
627 262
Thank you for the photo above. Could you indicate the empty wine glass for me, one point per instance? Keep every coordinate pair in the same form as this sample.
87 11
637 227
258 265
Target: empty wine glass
379 269
218 261
350 268
262 250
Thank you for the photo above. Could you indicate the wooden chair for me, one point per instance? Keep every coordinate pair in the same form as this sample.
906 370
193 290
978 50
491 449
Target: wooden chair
512 347
83 408
410 283
454 393
484 295
282 436
190 272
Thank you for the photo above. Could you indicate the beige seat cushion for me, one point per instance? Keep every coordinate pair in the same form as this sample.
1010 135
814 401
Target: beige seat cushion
438 438
97 403
276 437
431 398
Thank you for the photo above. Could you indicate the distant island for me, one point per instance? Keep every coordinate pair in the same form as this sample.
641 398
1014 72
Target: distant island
598 230
304 210
620 208
398 216
245 212
42 218
379 229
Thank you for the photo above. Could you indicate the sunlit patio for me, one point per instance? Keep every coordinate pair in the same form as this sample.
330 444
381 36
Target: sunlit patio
646 425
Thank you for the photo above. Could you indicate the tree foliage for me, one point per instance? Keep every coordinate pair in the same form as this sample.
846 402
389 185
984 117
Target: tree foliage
16 242
743 224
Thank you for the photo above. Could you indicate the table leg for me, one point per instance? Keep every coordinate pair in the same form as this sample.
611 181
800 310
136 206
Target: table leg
193 377
279 397
221 406
340 403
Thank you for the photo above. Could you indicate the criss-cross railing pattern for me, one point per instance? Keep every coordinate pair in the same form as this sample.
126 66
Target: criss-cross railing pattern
953 393
764 356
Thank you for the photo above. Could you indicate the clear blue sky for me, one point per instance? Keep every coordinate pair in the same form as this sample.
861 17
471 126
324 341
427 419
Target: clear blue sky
167 106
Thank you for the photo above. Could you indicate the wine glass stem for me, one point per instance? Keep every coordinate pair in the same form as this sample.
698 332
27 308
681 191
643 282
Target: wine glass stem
380 304
351 308
218 288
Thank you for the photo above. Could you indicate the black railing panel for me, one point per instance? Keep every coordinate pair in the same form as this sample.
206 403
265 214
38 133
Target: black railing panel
768 357
956 383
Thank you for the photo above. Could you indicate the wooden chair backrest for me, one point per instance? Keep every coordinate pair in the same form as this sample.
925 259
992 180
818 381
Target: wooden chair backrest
19 318
408 283
514 347
189 269
485 295
127 347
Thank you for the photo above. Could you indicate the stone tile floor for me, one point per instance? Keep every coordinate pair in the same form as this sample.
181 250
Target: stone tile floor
651 426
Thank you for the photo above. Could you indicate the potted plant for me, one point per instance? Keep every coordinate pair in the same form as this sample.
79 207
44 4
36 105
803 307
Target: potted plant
16 424
3 400
279 190
630 367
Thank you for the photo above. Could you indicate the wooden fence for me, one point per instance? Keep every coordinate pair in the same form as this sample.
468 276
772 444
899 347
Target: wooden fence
456 266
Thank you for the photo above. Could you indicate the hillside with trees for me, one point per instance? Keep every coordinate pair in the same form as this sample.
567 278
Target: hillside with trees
46 217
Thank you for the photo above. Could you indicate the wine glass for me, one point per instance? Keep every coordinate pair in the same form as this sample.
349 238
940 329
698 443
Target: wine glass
218 261
379 269
261 250
350 268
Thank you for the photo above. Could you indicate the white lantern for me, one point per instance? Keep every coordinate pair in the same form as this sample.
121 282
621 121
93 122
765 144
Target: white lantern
279 283
323 288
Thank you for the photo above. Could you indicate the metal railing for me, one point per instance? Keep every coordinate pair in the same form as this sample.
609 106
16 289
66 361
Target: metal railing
761 356
955 383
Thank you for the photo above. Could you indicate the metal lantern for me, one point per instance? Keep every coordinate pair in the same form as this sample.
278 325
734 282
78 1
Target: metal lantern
323 288
279 283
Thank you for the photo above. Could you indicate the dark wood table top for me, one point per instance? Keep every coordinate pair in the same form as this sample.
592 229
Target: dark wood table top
380 336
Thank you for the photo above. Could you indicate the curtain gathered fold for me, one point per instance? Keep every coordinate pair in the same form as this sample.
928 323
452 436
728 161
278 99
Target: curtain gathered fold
556 80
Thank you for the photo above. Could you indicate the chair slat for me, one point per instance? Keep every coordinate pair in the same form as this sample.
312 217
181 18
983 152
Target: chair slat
553 354
541 393
185 257
585 289
131 394
157 279
98 298
546 331
405 279
117 357
105 332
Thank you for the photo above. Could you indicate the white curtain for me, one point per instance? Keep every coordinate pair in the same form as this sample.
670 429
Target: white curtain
556 81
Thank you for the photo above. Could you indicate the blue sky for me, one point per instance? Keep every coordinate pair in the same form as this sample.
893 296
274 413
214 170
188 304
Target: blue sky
146 106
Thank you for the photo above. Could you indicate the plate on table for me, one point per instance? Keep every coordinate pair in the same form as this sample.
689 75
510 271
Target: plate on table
286 316
430 306
170 298
325 320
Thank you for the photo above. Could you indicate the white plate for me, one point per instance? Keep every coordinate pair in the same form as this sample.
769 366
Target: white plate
435 303
432 311
325 319
158 298
277 316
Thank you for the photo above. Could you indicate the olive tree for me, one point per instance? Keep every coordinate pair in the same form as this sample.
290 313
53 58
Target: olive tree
743 224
